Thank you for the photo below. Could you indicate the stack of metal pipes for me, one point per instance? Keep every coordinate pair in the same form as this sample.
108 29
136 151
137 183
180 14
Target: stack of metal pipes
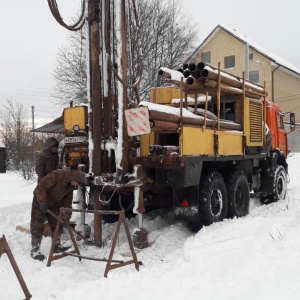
204 78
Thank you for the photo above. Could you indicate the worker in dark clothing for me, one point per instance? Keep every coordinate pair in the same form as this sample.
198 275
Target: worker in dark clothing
47 159
52 192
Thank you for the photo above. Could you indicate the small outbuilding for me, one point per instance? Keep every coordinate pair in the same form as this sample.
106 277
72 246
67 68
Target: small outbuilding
2 158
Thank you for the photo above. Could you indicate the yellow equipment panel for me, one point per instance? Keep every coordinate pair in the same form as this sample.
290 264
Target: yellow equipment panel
198 141
146 140
230 142
164 95
195 141
75 116
254 122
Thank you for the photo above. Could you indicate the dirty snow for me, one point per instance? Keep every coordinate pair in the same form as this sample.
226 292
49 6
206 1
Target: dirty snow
255 257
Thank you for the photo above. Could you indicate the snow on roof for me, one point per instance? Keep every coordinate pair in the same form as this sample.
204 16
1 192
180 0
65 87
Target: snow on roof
252 44
277 59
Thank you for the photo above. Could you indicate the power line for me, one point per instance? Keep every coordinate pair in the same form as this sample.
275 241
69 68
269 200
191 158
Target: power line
23 86
19 94
6 90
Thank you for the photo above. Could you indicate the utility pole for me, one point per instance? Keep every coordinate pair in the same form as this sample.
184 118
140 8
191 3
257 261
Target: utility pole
96 105
125 163
247 61
33 136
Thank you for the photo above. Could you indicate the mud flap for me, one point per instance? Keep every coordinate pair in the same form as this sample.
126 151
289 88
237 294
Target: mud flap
186 203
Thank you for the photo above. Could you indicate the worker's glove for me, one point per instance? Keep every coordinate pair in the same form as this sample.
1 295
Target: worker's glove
43 207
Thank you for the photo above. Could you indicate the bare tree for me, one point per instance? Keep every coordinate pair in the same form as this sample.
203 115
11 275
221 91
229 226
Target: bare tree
70 70
167 38
15 133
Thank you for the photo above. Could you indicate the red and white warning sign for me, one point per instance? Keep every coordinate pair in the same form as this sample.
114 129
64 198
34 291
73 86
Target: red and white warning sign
137 120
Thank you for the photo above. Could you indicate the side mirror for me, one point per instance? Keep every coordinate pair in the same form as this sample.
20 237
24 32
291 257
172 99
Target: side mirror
292 121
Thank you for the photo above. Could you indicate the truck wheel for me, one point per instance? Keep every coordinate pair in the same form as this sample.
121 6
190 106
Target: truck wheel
238 194
213 198
279 186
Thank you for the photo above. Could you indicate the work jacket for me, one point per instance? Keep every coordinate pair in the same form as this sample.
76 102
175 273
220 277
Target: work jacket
46 161
56 187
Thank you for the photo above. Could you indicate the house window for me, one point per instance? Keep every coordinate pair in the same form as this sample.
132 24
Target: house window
254 76
229 62
206 57
250 56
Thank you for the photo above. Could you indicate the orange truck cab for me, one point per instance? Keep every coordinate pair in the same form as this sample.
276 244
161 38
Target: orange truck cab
275 121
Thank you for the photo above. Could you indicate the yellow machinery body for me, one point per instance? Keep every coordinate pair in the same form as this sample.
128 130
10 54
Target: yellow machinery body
75 116
204 140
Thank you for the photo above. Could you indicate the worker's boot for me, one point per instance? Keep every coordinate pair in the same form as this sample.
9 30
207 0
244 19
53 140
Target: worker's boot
36 253
59 247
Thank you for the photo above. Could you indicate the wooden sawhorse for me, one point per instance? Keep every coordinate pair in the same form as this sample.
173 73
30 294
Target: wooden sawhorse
4 248
76 252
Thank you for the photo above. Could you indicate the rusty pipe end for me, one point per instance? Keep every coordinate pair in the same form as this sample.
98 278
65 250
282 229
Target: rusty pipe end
186 73
200 65
192 67
190 80
185 66
204 73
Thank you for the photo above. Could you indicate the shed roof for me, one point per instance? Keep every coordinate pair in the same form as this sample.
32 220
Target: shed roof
56 126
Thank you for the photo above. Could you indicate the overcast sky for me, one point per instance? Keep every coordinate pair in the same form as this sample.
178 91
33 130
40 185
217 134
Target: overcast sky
30 37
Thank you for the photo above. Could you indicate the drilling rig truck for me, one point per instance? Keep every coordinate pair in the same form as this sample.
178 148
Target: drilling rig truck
199 146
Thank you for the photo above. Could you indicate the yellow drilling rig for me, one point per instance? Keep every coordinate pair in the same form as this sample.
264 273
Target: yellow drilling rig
198 147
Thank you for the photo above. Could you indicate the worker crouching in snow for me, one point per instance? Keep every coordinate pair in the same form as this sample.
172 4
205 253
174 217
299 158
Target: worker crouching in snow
52 192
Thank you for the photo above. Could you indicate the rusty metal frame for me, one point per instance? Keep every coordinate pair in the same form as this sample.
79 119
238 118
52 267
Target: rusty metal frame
76 253
4 248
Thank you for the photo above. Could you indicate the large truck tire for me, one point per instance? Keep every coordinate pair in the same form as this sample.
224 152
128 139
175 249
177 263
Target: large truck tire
213 198
238 194
279 186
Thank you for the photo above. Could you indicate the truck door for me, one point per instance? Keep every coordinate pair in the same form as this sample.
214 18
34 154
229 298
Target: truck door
282 137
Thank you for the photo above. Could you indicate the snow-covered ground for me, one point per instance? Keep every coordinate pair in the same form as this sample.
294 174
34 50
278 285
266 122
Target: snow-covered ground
255 257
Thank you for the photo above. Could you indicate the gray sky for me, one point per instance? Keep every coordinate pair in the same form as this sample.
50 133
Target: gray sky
273 24
30 37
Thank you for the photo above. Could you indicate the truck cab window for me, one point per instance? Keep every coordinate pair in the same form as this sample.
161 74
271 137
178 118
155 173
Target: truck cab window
280 121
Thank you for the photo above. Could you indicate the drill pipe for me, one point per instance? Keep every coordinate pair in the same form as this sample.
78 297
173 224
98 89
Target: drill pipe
200 65
164 74
187 73
194 83
185 66
209 73
192 67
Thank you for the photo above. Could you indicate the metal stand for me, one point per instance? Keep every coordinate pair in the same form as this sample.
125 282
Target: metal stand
4 248
76 252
